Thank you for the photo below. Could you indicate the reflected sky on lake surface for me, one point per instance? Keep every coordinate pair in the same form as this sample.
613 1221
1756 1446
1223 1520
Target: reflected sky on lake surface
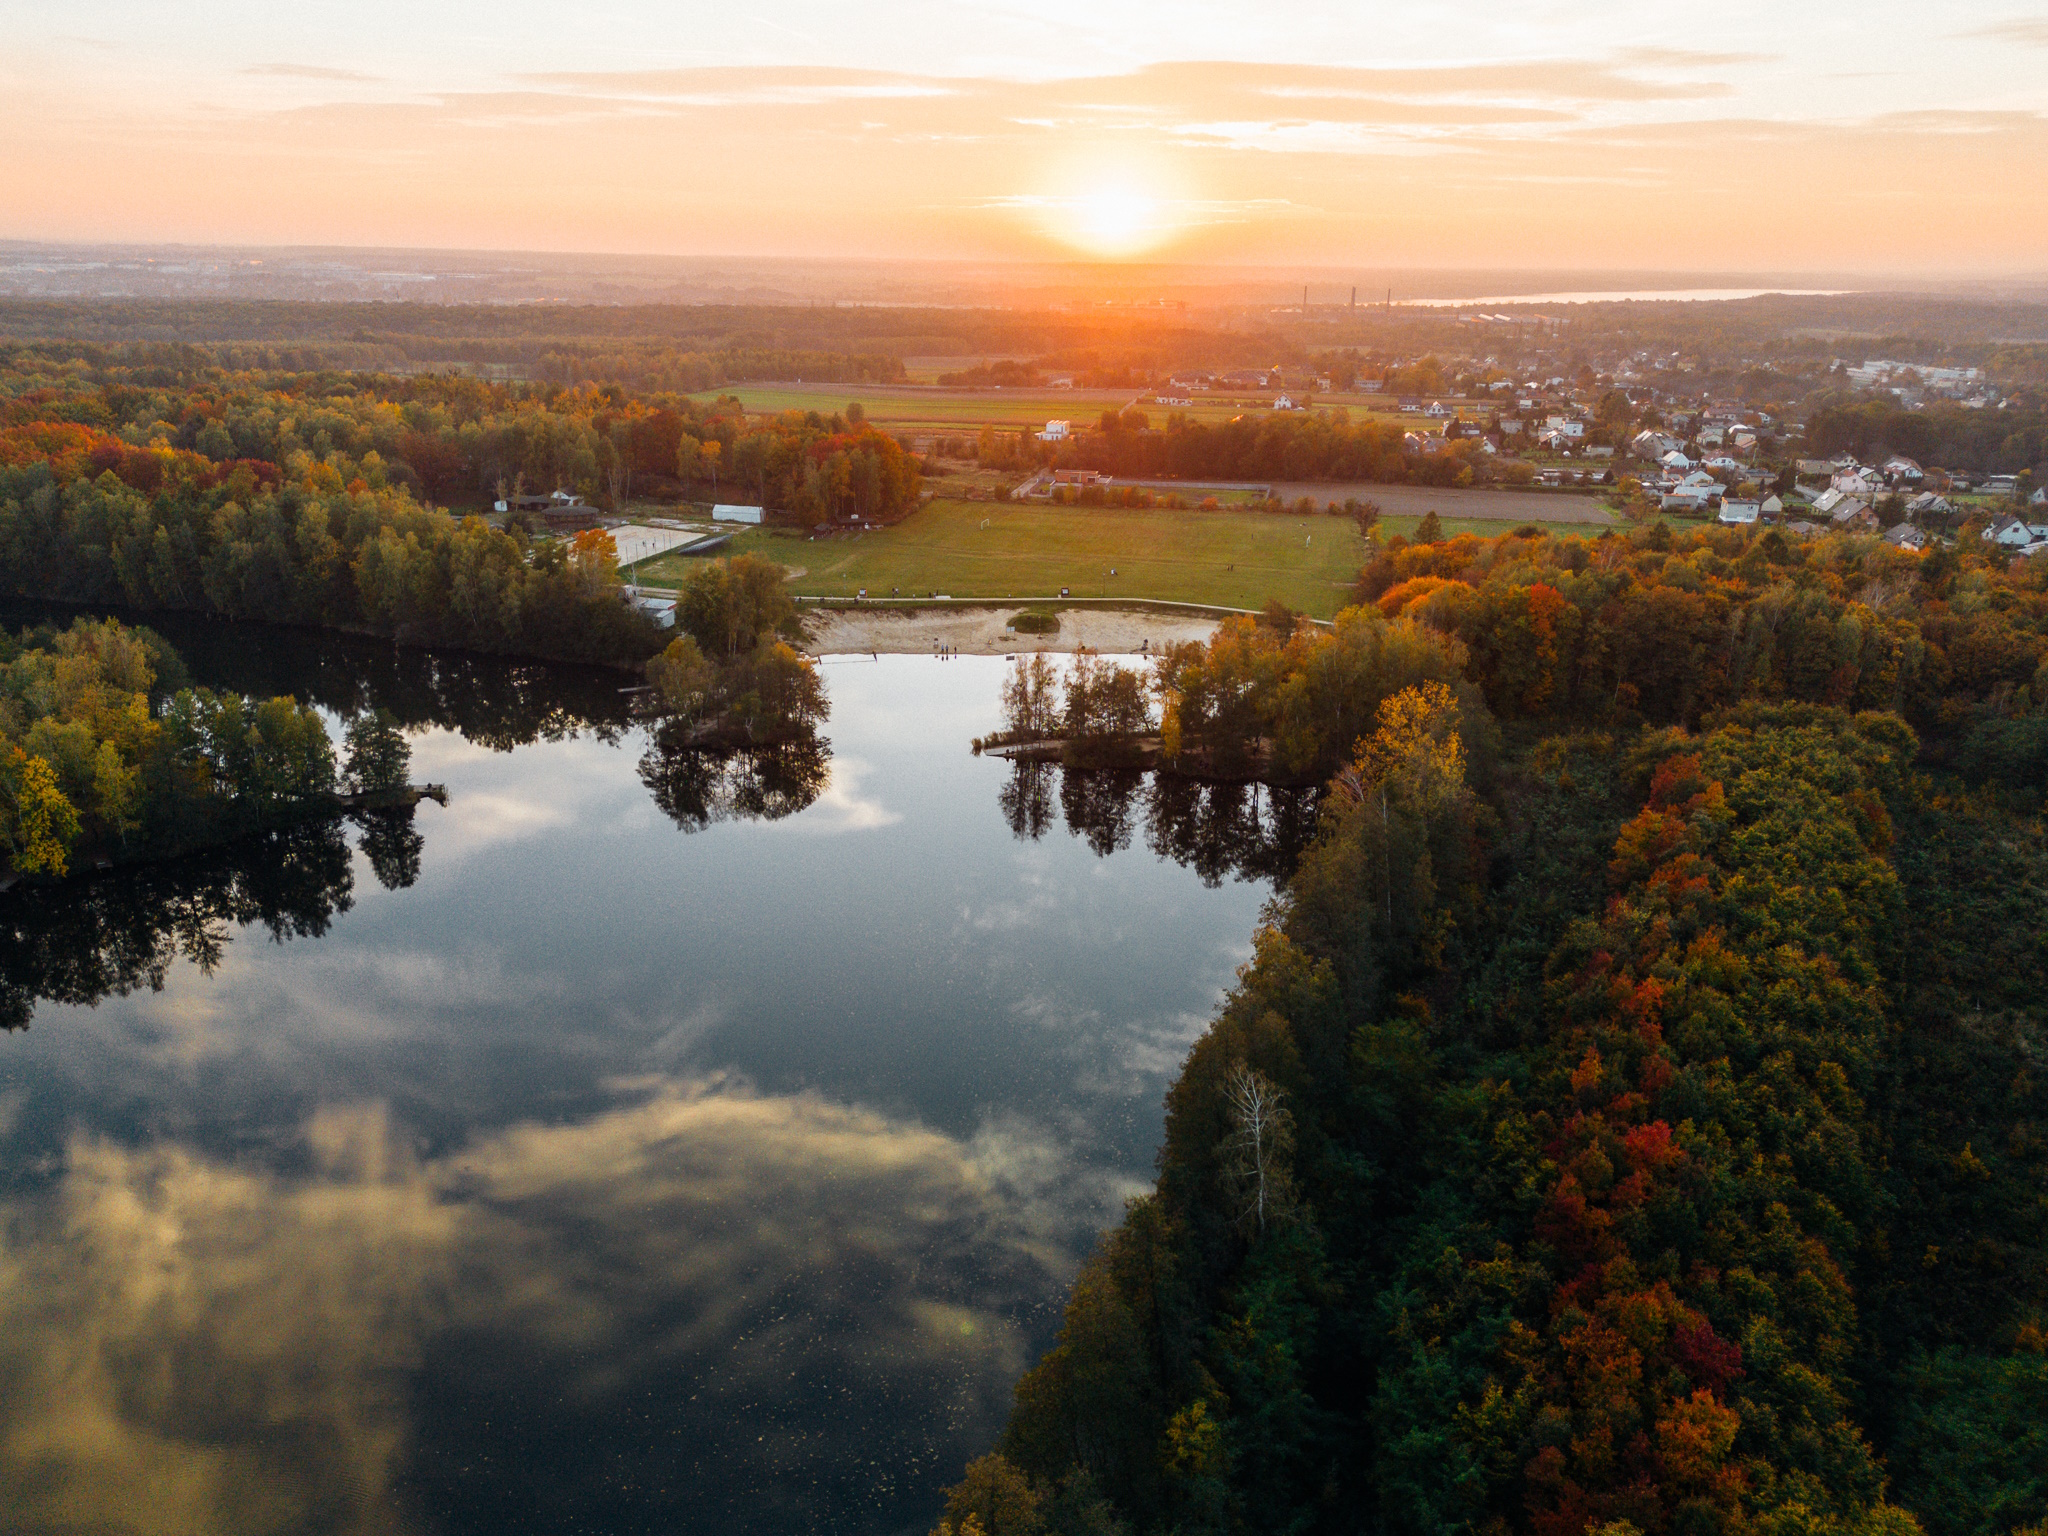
609 1176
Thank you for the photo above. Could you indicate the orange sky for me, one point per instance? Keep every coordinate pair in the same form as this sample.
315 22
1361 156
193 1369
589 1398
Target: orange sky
1877 137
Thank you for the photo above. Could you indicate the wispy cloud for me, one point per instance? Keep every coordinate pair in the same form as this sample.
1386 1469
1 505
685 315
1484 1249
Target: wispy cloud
2027 31
741 86
310 72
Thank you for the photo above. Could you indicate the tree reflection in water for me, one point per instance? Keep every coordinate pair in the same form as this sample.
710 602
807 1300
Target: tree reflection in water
85 940
1027 799
696 786
393 846
1252 831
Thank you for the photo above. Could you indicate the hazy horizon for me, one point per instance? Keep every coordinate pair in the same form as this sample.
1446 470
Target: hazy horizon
163 270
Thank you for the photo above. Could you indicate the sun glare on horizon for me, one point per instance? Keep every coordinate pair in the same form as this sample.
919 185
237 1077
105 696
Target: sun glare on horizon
1109 219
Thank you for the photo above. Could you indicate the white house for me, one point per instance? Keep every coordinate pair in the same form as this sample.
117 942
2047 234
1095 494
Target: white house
1907 537
2014 532
1743 512
1674 460
1900 468
1055 432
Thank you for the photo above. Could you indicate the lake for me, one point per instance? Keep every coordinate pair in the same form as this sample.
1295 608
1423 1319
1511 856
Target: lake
634 1144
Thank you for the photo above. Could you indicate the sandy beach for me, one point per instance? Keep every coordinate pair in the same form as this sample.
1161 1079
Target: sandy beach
985 631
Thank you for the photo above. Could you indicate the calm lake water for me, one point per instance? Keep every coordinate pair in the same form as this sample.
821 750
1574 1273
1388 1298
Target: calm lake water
608 1176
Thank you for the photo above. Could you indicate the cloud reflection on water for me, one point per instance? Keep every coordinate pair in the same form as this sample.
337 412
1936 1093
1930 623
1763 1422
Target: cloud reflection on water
705 1303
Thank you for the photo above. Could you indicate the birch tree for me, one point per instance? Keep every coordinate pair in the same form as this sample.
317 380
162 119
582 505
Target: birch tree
1257 1152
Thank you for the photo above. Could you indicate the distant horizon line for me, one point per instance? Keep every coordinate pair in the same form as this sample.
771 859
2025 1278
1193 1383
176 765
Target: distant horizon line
1834 279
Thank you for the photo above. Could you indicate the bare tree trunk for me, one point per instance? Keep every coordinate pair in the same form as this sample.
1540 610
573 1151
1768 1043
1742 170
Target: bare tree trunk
1257 1147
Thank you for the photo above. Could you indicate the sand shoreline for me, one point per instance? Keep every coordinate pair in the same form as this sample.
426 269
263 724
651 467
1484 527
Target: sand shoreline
985 631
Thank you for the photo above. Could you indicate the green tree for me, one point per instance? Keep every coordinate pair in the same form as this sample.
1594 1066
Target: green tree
1031 699
682 678
378 755
726 606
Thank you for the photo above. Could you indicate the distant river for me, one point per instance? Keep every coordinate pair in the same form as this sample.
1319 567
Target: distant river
609 1176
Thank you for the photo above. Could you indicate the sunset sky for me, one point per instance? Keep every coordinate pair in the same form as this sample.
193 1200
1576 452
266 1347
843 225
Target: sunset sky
1880 136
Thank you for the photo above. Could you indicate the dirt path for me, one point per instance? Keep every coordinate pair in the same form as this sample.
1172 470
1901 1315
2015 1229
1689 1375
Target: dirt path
985 631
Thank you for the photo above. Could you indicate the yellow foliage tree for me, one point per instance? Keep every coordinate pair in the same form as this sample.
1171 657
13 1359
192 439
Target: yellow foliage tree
1415 758
1416 753
43 821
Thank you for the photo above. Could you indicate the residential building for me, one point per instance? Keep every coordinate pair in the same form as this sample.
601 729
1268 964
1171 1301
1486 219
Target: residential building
2013 532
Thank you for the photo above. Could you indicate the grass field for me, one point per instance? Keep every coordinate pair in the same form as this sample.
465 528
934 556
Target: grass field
968 410
1229 559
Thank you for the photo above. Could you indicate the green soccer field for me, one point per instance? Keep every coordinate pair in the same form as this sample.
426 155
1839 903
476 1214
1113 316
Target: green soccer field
997 551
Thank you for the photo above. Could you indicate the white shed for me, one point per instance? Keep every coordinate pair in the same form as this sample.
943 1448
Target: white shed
726 513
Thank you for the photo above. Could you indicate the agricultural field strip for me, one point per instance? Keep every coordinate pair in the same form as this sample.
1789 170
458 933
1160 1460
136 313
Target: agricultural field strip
926 407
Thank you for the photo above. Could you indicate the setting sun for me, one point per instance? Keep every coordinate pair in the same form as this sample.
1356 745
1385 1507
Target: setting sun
1114 221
